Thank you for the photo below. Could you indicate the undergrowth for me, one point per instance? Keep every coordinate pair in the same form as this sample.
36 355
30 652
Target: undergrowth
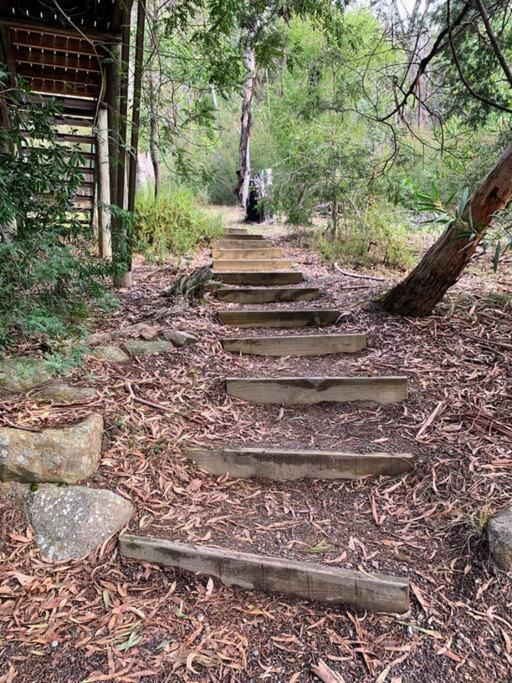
49 281
174 223
376 233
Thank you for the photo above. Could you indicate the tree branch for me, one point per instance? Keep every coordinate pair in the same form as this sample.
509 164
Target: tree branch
494 41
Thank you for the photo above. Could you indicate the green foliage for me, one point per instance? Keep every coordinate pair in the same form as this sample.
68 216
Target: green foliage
497 240
64 358
370 233
221 163
47 277
326 143
173 223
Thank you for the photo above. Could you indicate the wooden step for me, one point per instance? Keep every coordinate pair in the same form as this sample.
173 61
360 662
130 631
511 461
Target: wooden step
242 463
313 345
77 139
257 279
241 236
224 243
310 390
252 265
249 253
318 582
253 295
301 318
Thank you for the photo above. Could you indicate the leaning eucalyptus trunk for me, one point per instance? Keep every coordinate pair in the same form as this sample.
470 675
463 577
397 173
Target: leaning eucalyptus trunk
444 262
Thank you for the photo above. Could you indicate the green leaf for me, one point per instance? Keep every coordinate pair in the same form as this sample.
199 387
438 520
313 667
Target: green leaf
496 259
319 548
133 639
463 202
106 599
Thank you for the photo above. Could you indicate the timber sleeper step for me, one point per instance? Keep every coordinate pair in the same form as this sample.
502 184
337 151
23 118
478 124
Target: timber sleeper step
244 236
282 465
311 390
311 345
259 278
279 318
317 582
223 265
241 244
253 295
250 253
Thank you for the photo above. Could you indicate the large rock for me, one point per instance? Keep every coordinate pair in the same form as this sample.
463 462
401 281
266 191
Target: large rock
110 354
180 338
140 347
499 536
64 394
68 454
23 373
70 521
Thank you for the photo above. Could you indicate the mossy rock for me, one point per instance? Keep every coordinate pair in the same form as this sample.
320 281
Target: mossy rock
110 354
64 394
23 373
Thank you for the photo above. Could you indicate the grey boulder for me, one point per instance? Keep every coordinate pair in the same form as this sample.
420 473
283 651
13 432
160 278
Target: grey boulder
70 521
110 354
66 454
499 537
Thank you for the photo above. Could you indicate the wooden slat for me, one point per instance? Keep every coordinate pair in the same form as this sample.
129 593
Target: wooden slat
52 73
74 121
51 41
30 30
280 318
76 139
312 345
70 105
255 279
40 85
246 253
315 582
52 58
310 390
225 243
254 295
253 265
282 465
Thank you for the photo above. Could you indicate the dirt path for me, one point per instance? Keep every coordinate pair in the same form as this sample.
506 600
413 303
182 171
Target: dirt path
67 622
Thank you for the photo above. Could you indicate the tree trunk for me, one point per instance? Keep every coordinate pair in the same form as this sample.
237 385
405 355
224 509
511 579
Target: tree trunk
244 172
154 150
444 262
154 97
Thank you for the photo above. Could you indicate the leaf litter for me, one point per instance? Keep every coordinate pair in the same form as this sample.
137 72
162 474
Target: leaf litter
102 618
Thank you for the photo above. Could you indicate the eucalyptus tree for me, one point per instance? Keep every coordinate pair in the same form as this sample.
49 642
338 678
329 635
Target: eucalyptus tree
474 39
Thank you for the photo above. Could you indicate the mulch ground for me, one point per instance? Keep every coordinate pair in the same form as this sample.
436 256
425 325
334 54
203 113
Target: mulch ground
106 619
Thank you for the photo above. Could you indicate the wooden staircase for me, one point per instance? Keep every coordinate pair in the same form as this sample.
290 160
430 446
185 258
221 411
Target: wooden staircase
234 262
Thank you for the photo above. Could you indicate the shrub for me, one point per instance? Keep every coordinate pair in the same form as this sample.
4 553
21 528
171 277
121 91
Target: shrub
48 279
173 223
376 233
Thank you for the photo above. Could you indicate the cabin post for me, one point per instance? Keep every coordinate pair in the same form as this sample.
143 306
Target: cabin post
124 278
103 184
